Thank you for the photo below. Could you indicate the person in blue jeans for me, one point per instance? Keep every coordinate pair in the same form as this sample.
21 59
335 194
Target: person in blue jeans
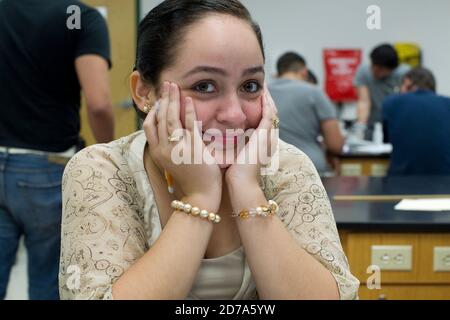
30 205
44 63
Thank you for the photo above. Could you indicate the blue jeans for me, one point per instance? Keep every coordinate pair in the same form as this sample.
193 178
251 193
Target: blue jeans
30 205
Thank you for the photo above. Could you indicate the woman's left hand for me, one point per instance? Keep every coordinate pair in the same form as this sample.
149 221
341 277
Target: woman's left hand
259 150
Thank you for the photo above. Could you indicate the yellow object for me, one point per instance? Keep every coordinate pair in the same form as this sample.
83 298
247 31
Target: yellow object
122 17
169 180
263 211
173 138
409 53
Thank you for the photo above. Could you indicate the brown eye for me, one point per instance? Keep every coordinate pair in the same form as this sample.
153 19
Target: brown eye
252 87
205 87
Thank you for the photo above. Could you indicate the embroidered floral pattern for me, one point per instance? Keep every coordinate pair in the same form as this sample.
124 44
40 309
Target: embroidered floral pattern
105 228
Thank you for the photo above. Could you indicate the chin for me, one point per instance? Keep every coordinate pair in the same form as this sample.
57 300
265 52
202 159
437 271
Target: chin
224 166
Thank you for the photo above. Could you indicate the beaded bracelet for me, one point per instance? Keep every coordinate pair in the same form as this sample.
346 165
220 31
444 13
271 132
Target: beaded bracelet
195 211
262 211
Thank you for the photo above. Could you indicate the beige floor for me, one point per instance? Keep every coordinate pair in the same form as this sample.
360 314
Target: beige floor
17 287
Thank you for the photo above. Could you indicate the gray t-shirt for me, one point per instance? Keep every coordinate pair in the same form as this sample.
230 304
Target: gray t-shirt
302 107
379 90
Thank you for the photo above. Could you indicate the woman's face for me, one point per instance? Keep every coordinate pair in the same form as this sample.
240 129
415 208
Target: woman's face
221 67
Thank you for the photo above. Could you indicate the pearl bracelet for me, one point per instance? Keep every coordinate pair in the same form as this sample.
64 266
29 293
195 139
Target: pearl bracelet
195 211
263 211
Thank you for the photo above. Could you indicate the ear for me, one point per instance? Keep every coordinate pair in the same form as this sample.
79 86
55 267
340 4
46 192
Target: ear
304 73
141 92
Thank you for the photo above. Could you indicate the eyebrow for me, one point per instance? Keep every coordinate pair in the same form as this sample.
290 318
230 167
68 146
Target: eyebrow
209 69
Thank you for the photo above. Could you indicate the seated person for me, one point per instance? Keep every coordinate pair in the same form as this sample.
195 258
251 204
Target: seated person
417 123
138 224
305 111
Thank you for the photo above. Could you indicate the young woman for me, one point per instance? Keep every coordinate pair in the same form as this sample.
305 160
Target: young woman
223 230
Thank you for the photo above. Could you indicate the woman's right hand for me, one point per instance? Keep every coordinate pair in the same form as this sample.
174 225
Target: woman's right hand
198 182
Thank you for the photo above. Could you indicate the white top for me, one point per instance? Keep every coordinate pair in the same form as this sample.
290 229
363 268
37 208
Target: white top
227 277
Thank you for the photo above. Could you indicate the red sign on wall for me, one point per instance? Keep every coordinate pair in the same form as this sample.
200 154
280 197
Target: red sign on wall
340 69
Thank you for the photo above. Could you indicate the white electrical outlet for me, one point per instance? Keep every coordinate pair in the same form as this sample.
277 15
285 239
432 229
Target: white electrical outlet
378 170
351 169
441 259
396 258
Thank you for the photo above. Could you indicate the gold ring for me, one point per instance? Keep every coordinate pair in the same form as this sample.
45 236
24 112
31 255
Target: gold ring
173 138
276 122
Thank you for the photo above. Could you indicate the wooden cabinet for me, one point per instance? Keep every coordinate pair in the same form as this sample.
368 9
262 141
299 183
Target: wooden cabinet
373 167
122 24
421 282
406 292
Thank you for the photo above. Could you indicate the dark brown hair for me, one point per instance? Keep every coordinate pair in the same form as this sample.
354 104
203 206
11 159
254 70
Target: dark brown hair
290 62
385 55
163 28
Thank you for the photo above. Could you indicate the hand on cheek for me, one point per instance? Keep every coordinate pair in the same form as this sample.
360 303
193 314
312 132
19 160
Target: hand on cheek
260 109
183 109
183 97
255 113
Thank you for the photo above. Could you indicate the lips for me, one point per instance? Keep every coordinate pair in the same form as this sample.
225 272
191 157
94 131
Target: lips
230 140
222 138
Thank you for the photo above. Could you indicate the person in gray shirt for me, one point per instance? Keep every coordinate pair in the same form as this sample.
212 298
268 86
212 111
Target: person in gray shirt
305 112
374 83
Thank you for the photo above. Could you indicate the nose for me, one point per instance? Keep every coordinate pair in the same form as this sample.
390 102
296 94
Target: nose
231 112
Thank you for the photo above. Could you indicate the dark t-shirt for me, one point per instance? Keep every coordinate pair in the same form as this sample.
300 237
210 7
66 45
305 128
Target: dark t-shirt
379 89
39 88
418 126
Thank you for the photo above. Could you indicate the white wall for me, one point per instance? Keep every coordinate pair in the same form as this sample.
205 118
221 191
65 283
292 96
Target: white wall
308 26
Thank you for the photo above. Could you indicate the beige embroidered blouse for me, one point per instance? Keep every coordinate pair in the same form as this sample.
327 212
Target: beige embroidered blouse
110 218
